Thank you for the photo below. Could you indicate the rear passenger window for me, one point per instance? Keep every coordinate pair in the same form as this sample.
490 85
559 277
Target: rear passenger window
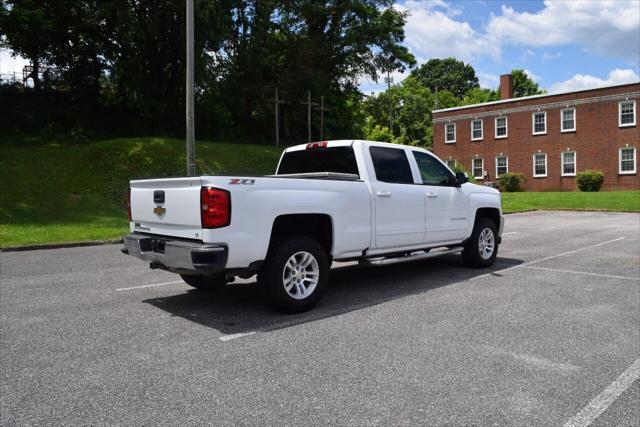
391 165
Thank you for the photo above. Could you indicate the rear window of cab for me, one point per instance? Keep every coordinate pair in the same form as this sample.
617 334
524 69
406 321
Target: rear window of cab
333 159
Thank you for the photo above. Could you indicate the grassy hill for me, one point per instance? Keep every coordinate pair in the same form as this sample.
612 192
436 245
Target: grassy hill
55 192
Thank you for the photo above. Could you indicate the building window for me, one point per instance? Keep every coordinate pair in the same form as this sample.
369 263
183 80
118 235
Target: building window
476 130
451 163
502 165
539 165
569 163
627 116
627 160
539 122
501 127
477 168
450 133
568 120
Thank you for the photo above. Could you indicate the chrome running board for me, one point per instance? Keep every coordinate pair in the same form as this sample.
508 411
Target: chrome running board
411 257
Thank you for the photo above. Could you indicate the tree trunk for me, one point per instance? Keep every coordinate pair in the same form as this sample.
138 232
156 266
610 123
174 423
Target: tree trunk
35 75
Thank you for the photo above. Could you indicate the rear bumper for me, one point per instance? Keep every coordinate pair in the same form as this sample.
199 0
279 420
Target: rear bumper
177 255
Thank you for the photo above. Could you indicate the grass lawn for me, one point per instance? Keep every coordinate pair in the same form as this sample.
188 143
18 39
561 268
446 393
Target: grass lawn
54 193
627 201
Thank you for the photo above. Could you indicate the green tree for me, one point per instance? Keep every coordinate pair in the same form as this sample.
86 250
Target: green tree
523 85
447 74
480 95
26 29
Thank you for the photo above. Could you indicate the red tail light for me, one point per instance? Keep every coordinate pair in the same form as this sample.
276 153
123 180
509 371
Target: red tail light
129 204
215 207
321 144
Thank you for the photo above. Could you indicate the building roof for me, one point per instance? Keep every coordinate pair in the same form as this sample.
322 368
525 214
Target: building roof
524 98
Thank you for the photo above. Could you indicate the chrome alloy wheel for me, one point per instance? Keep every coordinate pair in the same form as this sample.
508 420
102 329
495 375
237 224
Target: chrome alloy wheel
486 243
300 275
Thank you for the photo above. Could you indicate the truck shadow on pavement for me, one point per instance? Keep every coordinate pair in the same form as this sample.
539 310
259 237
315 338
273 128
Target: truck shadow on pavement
240 307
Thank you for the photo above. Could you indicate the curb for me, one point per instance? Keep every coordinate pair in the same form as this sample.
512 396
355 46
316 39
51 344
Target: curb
60 245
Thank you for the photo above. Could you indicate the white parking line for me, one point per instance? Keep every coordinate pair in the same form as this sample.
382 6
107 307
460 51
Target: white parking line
234 336
602 401
510 232
524 264
153 285
613 276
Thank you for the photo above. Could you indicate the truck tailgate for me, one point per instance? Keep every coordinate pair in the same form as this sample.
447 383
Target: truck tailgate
169 207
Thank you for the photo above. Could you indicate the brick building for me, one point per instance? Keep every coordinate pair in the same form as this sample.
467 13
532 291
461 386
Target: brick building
547 137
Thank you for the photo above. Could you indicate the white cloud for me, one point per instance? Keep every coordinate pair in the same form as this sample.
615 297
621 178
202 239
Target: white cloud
433 33
536 78
586 81
488 80
8 64
549 56
609 28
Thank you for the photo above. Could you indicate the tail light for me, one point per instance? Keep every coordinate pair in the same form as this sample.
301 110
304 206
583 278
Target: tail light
321 144
129 204
215 207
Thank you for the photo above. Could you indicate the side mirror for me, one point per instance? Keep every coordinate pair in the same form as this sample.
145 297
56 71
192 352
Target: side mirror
462 177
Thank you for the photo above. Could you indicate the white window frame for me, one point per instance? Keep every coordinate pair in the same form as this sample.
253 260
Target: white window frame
507 165
562 129
635 161
446 125
533 123
454 163
473 168
506 127
481 129
546 166
624 125
562 163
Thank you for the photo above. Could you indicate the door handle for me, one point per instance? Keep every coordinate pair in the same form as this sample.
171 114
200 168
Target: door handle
431 195
383 194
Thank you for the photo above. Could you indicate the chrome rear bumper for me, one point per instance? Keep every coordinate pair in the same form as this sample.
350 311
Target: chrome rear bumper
177 255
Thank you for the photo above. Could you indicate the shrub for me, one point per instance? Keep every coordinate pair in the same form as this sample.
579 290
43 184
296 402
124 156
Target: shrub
589 180
512 181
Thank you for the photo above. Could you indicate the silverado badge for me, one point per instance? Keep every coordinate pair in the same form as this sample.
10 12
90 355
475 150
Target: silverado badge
159 210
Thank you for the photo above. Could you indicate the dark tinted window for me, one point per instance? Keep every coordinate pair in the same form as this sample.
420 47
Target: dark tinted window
336 159
391 165
431 170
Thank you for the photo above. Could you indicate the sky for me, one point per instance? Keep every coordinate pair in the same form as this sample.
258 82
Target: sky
563 45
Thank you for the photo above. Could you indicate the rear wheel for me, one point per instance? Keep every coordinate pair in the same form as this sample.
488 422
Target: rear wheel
202 282
482 247
294 274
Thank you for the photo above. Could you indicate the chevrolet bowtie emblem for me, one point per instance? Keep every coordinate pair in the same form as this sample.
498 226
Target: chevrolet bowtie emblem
159 210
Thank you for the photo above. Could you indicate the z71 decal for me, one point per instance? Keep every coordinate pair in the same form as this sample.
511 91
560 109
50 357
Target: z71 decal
242 181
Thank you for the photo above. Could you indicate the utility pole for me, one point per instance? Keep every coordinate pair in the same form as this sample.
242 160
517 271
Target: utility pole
191 150
322 110
278 102
389 81
309 104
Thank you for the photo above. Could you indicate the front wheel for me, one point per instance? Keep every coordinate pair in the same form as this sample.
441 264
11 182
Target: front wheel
205 282
482 247
295 274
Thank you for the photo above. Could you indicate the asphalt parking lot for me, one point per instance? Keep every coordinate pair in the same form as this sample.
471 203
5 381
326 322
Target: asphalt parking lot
550 335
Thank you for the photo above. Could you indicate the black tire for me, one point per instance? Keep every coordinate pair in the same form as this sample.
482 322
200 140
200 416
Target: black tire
271 277
201 282
471 254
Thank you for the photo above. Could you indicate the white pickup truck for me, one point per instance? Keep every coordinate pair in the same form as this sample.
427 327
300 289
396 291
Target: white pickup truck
344 200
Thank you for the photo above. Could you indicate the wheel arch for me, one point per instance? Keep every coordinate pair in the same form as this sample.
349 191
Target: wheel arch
491 213
318 226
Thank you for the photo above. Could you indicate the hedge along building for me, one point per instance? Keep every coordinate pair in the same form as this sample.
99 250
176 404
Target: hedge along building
547 137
